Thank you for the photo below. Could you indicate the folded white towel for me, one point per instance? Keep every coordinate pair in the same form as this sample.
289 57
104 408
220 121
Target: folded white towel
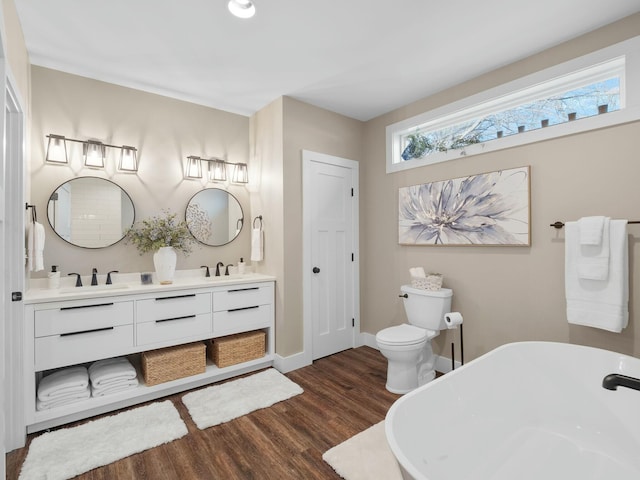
257 245
105 372
593 259
63 400
114 387
417 272
598 303
35 247
63 382
592 230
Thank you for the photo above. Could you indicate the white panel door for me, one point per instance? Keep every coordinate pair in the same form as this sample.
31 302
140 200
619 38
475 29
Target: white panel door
331 207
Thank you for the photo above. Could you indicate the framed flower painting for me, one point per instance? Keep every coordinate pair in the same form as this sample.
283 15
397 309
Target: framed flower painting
486 209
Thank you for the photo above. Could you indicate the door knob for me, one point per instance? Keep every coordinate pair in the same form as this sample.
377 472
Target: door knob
403 296
316 270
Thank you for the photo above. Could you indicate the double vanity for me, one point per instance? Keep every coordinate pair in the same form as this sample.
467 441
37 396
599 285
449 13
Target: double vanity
79 325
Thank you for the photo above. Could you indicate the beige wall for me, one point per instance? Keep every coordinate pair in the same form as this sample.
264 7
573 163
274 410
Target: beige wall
280 132
307 128
506 293
267 199
164 130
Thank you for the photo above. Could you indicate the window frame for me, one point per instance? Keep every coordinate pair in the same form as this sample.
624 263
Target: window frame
623 57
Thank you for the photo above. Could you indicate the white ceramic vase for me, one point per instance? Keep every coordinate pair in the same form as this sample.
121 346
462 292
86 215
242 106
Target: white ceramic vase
165 262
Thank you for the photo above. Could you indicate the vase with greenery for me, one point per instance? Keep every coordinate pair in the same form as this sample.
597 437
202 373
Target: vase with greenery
162 234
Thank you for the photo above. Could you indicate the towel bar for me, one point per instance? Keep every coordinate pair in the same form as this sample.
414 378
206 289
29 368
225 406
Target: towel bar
561 224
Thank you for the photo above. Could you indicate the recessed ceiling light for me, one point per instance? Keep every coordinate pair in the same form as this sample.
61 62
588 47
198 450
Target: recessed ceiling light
242 8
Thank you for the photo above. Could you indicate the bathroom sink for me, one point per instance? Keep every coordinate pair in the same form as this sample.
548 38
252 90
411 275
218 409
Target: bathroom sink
94 288
233 276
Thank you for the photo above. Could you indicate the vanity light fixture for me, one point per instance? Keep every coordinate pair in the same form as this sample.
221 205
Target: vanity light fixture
216 170
194 167
57 150
94 153
242 8
240 173
128 159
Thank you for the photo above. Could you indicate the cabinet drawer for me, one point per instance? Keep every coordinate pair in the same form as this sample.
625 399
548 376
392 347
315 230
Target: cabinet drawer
242 296
70 348
173 329
172 306
82 317
242 319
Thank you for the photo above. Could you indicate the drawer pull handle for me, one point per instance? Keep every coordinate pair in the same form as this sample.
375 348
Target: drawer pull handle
87 306
243 308
243 289
86 331
175 318
176 296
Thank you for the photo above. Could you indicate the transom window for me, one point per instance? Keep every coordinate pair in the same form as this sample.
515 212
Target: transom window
580 95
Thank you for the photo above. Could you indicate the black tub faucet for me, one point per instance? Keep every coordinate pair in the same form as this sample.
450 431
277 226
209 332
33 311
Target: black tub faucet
614 380
94 276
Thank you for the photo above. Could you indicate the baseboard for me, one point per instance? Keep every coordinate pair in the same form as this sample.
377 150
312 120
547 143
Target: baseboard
290 363
299 360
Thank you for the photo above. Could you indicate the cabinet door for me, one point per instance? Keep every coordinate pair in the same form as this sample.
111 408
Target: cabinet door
177 329
79 318
81 346
172 306
242 296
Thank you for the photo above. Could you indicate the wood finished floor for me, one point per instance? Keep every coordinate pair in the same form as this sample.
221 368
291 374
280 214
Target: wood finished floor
343 394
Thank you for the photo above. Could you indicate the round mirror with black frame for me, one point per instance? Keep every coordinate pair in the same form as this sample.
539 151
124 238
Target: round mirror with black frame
214 217
90 212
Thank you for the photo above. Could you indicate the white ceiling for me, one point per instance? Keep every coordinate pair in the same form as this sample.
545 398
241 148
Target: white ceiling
360 58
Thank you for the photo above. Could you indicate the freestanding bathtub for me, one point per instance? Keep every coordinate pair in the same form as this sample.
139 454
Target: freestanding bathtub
530 410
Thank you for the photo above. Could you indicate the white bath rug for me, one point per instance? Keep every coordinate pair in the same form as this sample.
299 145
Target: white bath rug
365 456
221 403
68 452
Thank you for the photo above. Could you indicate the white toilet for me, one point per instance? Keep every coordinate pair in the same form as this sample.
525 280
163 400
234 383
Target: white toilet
408 346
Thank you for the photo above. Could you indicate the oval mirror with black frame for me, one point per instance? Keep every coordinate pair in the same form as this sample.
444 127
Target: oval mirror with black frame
90 212
214 217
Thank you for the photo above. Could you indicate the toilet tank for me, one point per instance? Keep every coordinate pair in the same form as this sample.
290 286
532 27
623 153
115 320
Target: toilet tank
426 308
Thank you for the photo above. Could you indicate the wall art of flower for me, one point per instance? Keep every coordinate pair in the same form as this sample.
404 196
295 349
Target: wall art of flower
485 209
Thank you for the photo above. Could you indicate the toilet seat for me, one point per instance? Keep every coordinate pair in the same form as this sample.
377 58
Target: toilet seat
404 334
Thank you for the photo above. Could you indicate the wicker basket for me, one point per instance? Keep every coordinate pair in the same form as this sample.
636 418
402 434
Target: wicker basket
166 364
433 281
238 348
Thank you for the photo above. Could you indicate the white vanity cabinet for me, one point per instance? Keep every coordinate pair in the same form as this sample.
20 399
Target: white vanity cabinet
65 330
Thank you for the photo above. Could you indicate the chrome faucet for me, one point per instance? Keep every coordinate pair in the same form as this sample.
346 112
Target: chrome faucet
614 380
94 276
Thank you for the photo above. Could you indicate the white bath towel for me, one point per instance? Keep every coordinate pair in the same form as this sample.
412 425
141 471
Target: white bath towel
598 303
35 247
592 229
417 272
257 245
68 381
63 400
592 258
113 387
112 370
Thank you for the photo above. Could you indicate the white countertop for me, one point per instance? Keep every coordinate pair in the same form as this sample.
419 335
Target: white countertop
129 284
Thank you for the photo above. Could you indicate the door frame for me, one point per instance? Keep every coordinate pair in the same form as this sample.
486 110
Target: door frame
12 279
308 157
